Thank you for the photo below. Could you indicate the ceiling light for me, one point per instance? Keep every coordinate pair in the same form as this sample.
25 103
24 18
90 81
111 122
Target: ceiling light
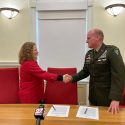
115 9
9 12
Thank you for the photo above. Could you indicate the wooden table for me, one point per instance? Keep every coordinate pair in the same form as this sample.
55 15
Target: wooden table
23 114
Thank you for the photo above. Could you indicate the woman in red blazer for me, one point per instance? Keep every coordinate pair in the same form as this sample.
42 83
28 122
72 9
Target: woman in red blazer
31 88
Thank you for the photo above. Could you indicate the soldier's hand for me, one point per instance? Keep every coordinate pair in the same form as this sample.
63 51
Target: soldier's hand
114 107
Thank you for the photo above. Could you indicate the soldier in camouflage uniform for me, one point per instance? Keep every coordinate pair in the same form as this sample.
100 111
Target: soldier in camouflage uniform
105 66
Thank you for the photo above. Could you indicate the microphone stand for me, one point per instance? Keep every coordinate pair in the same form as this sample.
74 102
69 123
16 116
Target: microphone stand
38 121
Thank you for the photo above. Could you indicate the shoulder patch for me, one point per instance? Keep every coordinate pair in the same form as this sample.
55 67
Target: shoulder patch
116 50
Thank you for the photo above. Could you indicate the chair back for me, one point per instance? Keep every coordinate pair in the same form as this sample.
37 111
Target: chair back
58 92
9 85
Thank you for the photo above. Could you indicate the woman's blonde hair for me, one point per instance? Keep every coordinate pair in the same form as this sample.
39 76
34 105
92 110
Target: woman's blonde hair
26 52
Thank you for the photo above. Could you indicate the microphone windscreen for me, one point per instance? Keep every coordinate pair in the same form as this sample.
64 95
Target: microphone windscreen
40 112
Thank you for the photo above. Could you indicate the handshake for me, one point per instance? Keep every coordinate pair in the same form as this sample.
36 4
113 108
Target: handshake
67 78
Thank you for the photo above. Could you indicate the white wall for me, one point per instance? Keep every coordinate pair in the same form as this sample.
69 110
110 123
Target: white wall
113 27
13 32
20 29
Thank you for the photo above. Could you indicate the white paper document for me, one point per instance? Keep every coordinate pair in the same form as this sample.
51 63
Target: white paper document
88 112
59 111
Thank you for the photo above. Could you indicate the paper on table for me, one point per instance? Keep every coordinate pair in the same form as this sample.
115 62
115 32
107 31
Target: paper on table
59 111
88 112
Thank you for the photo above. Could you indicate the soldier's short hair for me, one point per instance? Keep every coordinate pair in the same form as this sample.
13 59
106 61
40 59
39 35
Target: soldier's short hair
99 32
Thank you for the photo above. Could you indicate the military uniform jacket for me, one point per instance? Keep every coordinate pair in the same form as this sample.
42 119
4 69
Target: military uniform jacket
107 75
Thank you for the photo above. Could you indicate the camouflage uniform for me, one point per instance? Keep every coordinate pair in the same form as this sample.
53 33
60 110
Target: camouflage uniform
107 75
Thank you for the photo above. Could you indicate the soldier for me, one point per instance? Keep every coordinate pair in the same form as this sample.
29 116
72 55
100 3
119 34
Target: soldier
105 66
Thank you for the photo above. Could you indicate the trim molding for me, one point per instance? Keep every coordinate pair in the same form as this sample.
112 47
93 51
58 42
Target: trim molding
59 4
9 64
53 5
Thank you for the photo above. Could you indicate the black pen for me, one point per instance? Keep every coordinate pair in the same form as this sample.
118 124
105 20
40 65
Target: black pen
54 108
85 111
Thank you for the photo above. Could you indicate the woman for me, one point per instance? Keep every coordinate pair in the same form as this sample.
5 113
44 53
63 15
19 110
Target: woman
32 76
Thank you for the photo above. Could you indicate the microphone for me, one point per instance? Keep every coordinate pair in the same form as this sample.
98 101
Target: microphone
39 114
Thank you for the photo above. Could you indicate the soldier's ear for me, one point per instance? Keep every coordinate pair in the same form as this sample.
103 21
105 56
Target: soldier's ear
98 38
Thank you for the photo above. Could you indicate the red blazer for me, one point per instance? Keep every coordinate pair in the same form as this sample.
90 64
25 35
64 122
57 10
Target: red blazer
31 88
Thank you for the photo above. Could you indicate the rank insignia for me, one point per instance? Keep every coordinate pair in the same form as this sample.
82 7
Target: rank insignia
117 51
